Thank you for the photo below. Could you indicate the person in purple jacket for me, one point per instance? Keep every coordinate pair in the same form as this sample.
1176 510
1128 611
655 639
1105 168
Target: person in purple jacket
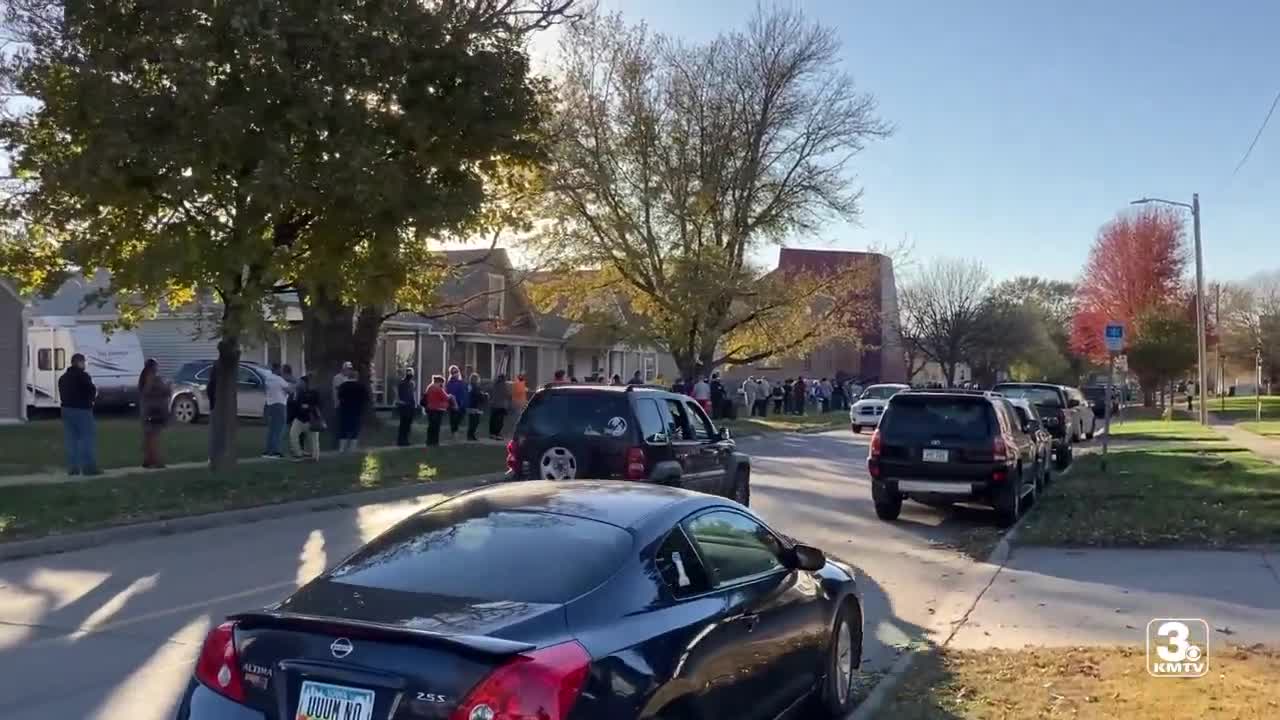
459 399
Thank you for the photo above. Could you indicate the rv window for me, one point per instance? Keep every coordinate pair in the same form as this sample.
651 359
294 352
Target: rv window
59 359
44 359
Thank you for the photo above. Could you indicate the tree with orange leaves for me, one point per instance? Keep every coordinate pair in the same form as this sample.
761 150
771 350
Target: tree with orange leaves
1136 270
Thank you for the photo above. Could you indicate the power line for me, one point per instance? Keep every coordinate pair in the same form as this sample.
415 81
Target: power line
1261 129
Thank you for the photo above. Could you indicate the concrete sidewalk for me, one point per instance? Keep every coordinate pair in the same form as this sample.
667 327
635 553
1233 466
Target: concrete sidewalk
1061 597
50 478
1265 448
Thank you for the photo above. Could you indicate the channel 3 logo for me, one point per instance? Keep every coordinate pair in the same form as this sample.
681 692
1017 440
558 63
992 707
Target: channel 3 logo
1178 647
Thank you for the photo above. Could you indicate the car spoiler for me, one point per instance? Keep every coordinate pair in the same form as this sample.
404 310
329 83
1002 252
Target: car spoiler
475 644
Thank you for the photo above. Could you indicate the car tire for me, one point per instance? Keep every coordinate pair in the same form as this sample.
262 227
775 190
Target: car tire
742 488
857 429
835 699
1064 458
184 410
889 508
1008 503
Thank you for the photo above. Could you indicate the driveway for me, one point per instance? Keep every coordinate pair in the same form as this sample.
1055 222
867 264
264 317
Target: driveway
111 632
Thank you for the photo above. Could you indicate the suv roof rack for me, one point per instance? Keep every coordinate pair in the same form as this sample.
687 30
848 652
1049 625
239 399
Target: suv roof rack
953 391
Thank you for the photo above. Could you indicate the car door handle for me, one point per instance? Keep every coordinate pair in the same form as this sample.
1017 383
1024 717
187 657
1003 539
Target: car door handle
751 621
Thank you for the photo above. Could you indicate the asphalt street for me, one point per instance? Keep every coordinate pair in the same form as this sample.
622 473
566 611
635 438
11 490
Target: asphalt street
111 632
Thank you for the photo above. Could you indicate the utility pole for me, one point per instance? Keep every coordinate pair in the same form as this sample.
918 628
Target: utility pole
1222 361
1257 390
1200 340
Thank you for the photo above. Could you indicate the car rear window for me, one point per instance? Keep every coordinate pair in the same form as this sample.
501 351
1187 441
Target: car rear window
576 413
880 392
1037 395
910 418
470 550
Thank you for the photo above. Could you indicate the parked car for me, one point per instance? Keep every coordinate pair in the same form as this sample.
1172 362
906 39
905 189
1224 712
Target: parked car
866 411
554 601
940 447
1097 397
189 400
1053 404
1085 421
1033 425
632 432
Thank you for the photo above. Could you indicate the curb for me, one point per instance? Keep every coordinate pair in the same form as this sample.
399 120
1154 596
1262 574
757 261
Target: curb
55 544
883 691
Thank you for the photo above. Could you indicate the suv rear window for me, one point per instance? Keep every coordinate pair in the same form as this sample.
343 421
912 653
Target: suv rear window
1037 395
575 413
938 417
472 550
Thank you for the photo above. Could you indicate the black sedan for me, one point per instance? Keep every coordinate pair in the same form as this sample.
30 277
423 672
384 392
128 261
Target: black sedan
549 601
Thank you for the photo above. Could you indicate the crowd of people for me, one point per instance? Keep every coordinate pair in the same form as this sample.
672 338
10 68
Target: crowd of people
759 395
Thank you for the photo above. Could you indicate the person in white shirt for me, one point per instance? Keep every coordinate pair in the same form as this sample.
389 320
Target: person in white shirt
275 413
702 393
749 395
762 396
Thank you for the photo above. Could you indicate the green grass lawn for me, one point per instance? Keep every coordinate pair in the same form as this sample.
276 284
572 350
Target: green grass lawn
37 510
1162 430
1245 408
1178 494
37 446
811 423
1266 428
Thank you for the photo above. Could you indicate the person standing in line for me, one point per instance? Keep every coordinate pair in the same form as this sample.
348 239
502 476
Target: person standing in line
302 408
762 395
636 378
457 389
519 393
477 399
77 392
779 398
153 406
702 393
749 394
406 406
277 397
341 377
436 400
799 396
558 378
718 396
499 406
617 380
352 399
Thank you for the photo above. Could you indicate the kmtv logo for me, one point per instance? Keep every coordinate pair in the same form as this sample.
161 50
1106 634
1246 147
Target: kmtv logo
1178 647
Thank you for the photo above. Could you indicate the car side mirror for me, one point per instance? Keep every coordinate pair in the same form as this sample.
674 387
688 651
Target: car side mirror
725 434
1029 426
806 557
1073 403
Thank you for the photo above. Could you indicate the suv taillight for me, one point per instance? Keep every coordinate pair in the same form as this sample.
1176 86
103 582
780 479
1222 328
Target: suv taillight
999 451
635 464
873 455
543 684
218 668
513 455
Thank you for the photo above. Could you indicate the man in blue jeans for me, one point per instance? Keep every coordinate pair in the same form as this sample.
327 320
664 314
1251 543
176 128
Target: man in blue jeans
275 414
77 393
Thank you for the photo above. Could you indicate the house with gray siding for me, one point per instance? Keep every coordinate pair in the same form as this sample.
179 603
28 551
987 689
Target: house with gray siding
13 355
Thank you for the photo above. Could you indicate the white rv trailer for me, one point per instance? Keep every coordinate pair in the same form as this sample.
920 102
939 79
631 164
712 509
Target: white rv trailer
113 360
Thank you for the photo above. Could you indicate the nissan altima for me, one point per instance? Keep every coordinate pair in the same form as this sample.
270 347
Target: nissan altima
549 601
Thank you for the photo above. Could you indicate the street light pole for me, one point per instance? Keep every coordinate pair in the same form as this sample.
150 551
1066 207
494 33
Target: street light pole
1200 341
1201 371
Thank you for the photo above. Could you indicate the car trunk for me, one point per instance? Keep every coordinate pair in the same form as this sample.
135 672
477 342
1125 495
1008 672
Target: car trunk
415 655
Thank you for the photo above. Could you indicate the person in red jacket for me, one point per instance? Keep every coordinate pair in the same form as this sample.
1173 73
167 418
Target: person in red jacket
436 401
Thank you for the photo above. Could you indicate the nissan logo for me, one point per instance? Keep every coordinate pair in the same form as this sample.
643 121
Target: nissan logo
341 648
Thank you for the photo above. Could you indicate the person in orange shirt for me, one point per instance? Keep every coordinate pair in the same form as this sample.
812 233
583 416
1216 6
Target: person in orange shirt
519 393
436 401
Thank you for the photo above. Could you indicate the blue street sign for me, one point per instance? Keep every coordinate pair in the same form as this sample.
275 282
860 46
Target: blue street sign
1114 337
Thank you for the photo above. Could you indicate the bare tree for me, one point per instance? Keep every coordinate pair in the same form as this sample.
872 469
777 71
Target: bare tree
676 162
1250 320
945 312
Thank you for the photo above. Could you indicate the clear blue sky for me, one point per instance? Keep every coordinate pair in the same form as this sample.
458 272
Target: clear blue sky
1024 126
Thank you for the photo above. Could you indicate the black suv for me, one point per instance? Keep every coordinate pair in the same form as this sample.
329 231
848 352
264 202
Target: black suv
940 447
632 432
1056 408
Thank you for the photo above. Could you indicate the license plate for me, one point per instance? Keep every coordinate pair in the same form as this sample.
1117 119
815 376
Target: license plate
937 455
945 488
322 701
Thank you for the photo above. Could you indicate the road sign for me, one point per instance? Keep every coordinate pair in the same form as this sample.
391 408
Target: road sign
1115 337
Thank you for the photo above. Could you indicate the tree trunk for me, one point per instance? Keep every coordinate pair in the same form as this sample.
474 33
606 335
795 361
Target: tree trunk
364 343
222 425
327 328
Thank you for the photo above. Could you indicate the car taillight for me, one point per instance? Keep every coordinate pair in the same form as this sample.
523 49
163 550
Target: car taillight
541 685
218 667
999 451
635 463
513 455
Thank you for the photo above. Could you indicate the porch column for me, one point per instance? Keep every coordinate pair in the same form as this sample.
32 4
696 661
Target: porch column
493 360
517 354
